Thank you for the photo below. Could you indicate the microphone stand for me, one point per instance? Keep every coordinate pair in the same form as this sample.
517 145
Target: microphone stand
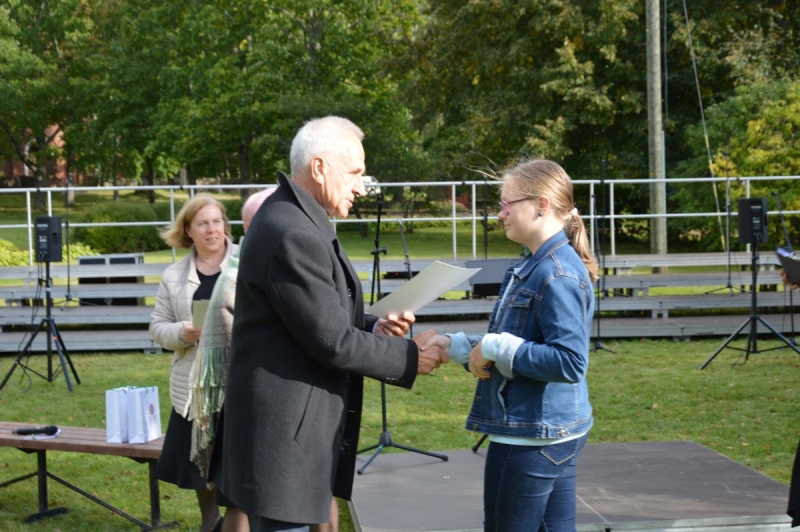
602 291
728 213
407 262
790 250
601 283
385 439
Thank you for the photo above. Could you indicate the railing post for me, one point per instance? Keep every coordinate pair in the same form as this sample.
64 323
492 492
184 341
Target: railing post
474 223
172 215
612 210
453 211
30 227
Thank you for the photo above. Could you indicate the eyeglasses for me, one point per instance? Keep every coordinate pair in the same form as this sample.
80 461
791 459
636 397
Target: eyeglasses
504 204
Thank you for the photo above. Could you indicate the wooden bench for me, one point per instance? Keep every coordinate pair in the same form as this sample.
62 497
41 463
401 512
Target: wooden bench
30 275
23 295
640 284
624 264
83 440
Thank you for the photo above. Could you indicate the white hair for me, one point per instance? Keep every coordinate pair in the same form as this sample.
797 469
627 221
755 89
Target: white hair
319 137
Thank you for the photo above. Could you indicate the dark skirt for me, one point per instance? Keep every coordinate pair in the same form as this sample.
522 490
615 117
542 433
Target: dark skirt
174 465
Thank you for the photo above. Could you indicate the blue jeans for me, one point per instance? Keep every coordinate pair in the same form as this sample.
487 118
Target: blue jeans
262 524
530 489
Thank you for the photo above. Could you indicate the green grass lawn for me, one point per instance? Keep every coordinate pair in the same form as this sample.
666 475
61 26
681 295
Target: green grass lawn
649 390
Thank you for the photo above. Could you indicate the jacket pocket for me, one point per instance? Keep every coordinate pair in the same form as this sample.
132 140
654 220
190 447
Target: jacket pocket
307 421
519 306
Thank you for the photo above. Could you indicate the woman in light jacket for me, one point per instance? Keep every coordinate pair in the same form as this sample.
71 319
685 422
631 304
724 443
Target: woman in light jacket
202 227
532 399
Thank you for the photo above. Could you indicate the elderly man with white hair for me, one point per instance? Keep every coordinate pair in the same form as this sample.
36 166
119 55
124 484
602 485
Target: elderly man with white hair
302 343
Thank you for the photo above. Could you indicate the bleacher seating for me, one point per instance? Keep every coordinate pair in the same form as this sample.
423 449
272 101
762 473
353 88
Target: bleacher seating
630 304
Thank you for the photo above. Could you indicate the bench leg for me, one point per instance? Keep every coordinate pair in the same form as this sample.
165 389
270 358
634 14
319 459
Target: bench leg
18 479
42 474
155 508
155 499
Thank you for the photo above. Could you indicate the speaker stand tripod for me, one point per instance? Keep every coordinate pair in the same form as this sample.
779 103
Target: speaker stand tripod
49 323
385 439
752 321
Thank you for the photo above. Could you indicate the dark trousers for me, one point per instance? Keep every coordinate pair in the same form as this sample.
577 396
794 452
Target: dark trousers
529 488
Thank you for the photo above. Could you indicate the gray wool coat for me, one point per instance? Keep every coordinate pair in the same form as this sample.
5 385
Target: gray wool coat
300 347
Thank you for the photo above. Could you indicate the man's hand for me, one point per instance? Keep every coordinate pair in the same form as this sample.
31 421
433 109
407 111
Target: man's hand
478 365
395 325
785 279
437 341
431 355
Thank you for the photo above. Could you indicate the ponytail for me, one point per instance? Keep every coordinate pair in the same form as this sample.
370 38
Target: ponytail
576 232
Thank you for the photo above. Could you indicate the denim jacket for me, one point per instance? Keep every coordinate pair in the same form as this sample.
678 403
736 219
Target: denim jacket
539 390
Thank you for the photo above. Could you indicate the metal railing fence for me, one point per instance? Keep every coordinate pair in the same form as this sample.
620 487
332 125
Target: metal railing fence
584 189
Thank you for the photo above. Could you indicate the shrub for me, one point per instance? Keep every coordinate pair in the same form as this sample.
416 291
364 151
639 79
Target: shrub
233 210
120 239
76 250
161 210
11 256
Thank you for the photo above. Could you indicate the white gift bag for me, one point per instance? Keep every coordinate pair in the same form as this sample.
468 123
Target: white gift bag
144 415
117 415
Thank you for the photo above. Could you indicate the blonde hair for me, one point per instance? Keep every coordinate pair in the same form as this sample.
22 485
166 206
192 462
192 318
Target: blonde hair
175 234
542 177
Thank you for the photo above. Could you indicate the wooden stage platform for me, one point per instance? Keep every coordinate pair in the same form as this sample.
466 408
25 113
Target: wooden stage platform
647 486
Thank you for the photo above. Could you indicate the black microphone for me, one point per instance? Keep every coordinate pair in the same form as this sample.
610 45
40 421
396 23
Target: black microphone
49 430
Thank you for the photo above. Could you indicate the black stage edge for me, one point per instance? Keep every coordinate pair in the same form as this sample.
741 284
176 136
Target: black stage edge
647 486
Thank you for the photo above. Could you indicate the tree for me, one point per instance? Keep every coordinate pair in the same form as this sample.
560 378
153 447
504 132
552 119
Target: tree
752 130
552 78
242 78
37 40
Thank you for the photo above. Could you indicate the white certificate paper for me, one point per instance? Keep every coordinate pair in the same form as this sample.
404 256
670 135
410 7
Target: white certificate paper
423 288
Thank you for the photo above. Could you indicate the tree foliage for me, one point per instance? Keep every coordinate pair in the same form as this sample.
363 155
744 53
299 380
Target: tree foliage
142 89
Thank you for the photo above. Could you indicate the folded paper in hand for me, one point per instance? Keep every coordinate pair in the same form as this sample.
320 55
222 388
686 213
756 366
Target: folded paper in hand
199 309
423 288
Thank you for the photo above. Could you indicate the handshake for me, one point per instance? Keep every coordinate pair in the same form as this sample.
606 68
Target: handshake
433 348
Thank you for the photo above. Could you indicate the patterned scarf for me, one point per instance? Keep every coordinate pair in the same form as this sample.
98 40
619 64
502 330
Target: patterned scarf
210 369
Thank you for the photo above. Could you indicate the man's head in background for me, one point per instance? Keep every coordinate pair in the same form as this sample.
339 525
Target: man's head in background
252 204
